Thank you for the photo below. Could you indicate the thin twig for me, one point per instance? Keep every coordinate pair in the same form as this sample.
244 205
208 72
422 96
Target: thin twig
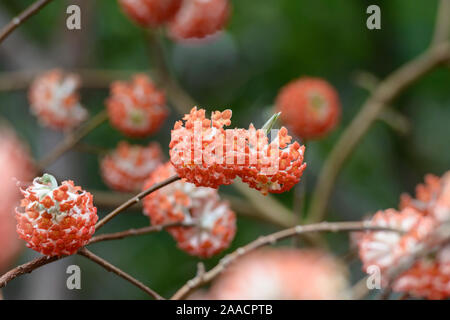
383 95
72 139
22 17
135 200
270 239
109 267
442 28
136 232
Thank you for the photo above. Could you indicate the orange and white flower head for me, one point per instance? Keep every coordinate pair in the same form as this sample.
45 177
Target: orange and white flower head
54 100
137 108
16 165
432 197
207 155
56 219
150 13
429 276
213 223
127 167
309 107
199 18
282 274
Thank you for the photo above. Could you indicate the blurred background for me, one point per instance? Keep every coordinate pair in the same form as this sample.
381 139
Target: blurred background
266 44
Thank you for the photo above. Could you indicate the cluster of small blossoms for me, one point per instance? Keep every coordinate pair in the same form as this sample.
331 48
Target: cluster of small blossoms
127 167
54 100
418 219
186 19
213 222
15 164
309 107
206 154
55 220
282 274
138 108
150 13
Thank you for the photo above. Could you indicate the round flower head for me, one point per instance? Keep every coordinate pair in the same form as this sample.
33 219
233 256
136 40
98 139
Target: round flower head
150 12
282 274
56 220
206 154
309 107
213 222
199 18
54 100
429 276
136 108
16 165
432 197
128 166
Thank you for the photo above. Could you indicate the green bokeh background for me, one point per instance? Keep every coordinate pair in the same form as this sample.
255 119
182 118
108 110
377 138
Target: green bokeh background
266 44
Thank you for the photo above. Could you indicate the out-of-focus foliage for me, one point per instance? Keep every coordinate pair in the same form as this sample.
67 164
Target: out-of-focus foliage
267 44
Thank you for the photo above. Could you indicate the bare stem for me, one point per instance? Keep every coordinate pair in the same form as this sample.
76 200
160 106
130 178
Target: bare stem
111 268
206 277
135 200
22 17
72 139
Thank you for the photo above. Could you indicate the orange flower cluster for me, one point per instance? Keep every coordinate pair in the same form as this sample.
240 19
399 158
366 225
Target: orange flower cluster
199 18
282 274
138 108
207 155
54 100
150 12
15 164
127 167
186 19
214 224
310 107
418 218
56 220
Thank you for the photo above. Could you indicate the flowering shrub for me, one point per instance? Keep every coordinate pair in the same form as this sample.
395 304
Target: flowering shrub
310 107
150 12
206 154
214 224
16 165
56 220
138 108
282 274
128 166
54 100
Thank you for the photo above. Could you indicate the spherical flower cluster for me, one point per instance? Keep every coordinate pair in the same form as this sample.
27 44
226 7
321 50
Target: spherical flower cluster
199 18
54 100
429 277
55 220
213 222
16 165
282 274
138 108
309 107
206 154
150 12
128 166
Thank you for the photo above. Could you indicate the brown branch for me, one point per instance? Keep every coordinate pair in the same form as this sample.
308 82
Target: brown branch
111 268
206 277
383 95
22 17
135 200
136 232
442 28
72 139
26 268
